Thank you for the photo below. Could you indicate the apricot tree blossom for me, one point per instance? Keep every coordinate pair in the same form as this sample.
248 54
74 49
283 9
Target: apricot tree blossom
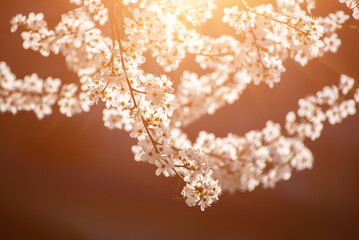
154 111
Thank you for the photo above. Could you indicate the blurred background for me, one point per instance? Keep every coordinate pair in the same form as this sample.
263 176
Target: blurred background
72 178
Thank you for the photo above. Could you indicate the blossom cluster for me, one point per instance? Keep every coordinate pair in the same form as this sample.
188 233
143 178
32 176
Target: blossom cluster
35 94
332 103
354 5
271 37
150 107
260 157
30 94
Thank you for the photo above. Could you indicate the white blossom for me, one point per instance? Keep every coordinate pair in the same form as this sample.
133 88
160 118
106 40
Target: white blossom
153 108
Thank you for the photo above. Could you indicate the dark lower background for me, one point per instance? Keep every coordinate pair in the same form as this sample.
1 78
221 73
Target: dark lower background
71 178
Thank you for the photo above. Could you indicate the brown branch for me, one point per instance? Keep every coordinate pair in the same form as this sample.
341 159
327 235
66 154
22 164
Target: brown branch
256 46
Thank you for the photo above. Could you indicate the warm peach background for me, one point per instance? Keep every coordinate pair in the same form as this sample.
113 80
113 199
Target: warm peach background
71 178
